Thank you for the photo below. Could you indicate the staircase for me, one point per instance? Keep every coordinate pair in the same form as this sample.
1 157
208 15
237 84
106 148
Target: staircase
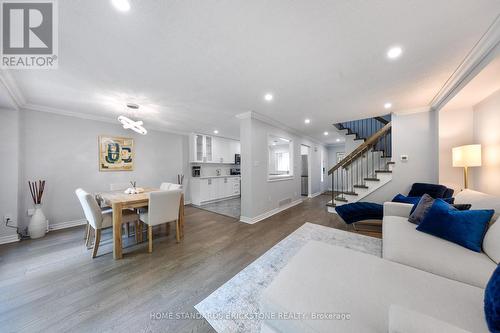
368 167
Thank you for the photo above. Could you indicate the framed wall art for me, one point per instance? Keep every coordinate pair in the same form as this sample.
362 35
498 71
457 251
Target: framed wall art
116 153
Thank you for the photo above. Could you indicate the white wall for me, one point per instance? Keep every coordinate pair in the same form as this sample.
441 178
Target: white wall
455 129
258 194
415 135
64 151
487 132
9 142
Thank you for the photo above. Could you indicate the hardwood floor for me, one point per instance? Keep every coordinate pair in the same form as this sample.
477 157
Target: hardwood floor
52 284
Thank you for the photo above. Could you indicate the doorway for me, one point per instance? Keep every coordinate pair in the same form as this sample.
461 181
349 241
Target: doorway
304 172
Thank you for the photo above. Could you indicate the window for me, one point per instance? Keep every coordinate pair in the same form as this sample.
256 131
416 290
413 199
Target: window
280 164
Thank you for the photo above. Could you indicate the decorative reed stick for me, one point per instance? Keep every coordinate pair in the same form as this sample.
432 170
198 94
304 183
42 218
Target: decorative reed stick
36 190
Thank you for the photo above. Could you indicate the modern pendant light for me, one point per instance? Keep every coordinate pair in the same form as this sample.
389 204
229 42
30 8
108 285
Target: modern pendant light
136 126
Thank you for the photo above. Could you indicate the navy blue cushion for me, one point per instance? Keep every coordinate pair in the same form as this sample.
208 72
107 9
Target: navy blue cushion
465 228
492 302
360 211
448 193
415 200
434 190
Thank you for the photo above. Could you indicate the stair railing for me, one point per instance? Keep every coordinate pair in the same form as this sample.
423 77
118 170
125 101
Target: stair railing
361 165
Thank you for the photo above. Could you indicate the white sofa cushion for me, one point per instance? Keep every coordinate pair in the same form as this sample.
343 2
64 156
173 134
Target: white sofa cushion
322 278
491 242
479 200
403 320
405 245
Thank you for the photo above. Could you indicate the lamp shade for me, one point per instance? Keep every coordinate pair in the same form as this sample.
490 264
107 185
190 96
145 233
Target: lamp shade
467 156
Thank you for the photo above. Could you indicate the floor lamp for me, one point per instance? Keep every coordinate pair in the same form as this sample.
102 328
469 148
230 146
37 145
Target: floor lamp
465 157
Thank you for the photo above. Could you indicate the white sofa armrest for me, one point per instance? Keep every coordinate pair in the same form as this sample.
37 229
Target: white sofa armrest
403 320
397 209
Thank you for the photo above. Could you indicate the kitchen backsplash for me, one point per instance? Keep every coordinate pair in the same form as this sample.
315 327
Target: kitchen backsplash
211 170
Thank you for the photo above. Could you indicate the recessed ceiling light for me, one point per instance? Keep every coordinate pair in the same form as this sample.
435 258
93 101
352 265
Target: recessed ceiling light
268 97
388 105
307 121
216 132
394 52
338 140
121 5
325 133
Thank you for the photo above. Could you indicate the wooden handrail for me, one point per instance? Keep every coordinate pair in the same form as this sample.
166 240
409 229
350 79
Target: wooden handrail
370 142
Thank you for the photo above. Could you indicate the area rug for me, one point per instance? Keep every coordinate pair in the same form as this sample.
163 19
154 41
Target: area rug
234 307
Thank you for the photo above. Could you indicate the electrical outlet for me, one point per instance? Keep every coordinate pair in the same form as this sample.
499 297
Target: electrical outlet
31 211
8 218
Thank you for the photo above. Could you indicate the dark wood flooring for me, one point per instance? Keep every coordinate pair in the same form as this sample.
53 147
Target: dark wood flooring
52 284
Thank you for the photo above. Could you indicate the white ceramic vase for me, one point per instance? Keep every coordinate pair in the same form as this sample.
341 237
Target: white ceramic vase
38 223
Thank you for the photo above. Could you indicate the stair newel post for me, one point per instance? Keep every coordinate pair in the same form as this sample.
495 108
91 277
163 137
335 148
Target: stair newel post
351 166
373 162
333 188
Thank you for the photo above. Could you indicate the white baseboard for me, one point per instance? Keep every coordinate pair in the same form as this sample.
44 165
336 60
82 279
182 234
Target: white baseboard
67 224
314 195
252 220
187 202
9 239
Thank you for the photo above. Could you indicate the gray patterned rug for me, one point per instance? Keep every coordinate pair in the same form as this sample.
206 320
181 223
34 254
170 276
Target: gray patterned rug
234 307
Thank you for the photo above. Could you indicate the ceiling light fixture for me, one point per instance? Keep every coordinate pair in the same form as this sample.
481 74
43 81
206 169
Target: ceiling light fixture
325 133
121 5
387 105
394 52
268 97
307 121
216 132
135 126
128 123
338 140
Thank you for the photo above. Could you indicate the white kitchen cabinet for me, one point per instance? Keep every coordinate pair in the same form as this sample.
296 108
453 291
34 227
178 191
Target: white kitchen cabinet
223 150
202 148
210 189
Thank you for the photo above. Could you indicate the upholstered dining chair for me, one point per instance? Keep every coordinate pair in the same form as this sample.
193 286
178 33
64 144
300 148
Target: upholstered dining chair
163 208
98 219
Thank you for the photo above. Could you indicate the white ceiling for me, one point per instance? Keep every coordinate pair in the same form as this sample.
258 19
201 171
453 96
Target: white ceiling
194 65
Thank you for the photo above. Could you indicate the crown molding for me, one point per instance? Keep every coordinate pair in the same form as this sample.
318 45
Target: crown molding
480 55
86 116
17 98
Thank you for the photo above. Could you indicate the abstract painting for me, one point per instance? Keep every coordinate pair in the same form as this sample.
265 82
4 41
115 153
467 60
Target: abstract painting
116 153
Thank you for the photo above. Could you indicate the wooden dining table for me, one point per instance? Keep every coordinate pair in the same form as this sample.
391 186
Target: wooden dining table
118 201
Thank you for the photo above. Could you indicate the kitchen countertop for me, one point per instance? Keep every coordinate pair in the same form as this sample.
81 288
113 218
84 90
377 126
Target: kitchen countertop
223 176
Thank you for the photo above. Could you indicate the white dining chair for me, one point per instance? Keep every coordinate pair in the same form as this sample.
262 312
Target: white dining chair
98 219
163 208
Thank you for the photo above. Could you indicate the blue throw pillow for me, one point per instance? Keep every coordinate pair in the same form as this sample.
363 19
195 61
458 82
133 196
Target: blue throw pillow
404 199
492 302
415 200
465 228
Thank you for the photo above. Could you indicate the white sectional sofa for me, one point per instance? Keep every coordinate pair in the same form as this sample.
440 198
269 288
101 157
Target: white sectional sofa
405 245
422 283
